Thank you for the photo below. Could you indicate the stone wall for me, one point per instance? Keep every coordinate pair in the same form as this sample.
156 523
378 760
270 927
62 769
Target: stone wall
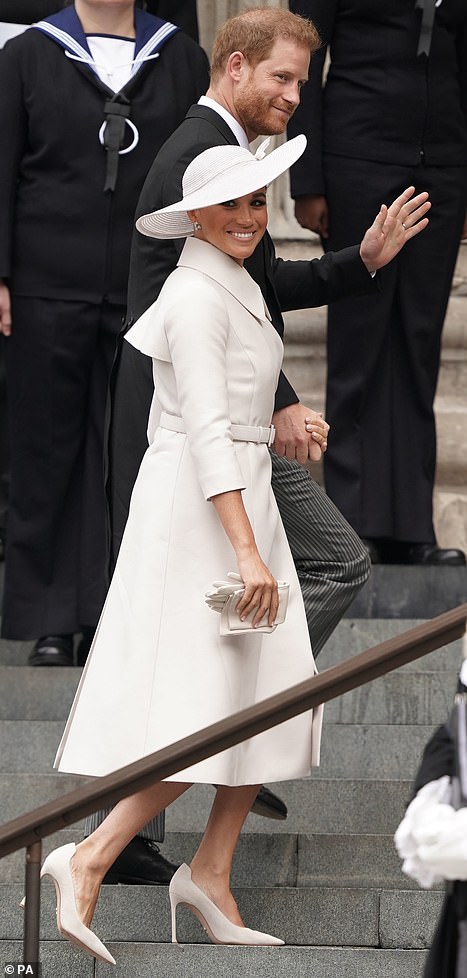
305 352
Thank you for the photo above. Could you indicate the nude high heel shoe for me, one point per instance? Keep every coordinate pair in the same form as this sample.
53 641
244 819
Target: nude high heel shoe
57 867
182 889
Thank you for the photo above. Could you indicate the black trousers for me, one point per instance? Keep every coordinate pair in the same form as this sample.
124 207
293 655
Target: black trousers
4 460
58 364
384 352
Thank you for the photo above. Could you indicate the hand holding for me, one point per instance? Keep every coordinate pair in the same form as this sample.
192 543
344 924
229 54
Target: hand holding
319 429
293 439
393 227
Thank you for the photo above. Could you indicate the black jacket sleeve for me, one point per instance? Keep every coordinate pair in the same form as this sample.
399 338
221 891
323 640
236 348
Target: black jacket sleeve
337 275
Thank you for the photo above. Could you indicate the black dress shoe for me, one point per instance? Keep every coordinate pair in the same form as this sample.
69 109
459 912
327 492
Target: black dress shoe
374 551
431 554
141 862
269 805
52 650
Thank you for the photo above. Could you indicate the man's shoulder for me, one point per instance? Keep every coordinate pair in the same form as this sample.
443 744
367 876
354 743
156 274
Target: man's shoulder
198 131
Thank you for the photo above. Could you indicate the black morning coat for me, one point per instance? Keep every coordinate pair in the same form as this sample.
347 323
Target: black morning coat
62 234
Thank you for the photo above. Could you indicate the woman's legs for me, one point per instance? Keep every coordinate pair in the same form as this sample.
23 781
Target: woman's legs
95 855
211 863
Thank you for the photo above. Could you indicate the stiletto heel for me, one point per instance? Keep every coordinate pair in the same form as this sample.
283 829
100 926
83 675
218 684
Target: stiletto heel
220 929
57 867
173 910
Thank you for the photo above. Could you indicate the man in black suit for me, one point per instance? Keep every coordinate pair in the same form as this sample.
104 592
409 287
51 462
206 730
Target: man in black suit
393 112
260 61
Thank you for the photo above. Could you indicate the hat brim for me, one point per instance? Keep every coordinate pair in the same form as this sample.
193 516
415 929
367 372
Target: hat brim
173 221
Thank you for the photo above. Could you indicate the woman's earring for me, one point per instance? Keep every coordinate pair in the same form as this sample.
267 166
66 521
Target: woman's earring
197 226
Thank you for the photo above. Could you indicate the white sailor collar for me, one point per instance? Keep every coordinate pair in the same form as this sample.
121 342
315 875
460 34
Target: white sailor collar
66 30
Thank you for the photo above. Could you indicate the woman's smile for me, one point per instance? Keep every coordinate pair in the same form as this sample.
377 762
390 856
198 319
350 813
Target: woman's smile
235 226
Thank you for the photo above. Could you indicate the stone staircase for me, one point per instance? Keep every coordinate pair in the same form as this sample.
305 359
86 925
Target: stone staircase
327 880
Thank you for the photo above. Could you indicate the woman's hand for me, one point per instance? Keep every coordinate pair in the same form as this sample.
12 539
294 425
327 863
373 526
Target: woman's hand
319 430
261 591
393 227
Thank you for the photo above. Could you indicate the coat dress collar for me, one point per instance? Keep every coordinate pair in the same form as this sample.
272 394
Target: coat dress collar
234 278
150 338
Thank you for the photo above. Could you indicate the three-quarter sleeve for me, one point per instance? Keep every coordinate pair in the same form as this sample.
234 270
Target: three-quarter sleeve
196 325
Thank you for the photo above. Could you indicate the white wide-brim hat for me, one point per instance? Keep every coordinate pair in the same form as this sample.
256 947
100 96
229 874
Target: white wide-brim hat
216 175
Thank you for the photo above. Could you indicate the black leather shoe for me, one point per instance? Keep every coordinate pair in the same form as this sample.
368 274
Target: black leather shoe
430 554
141 862
269 805
52 650
2 548
374 551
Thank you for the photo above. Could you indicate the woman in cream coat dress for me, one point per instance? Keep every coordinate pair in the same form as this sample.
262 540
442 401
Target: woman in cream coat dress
202 506
158 661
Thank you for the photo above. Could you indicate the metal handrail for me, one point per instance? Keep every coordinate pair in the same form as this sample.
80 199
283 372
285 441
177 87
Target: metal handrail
28 830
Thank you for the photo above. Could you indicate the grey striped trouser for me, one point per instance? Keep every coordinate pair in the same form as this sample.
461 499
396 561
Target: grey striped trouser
332 565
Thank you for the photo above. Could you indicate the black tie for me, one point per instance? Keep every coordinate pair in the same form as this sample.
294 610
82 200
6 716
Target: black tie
114 133
426 28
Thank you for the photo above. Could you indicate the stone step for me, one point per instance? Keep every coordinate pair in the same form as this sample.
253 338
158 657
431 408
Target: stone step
352 634
367 861
348 750
145 960
418 698
410 592
323 806
301 916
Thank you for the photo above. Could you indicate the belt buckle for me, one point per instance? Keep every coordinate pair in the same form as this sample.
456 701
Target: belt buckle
272 435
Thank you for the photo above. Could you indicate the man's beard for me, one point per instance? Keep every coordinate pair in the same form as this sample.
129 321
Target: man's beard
258 115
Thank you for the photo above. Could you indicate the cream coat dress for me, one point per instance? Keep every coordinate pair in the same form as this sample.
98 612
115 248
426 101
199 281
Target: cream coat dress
158 669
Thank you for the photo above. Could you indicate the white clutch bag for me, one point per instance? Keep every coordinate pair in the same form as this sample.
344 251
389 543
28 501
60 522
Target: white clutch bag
224 597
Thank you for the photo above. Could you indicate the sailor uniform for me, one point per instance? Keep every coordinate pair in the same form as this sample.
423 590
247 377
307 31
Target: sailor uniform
71 170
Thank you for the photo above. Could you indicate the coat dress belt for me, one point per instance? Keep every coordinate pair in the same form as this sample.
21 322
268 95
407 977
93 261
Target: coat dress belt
240 432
